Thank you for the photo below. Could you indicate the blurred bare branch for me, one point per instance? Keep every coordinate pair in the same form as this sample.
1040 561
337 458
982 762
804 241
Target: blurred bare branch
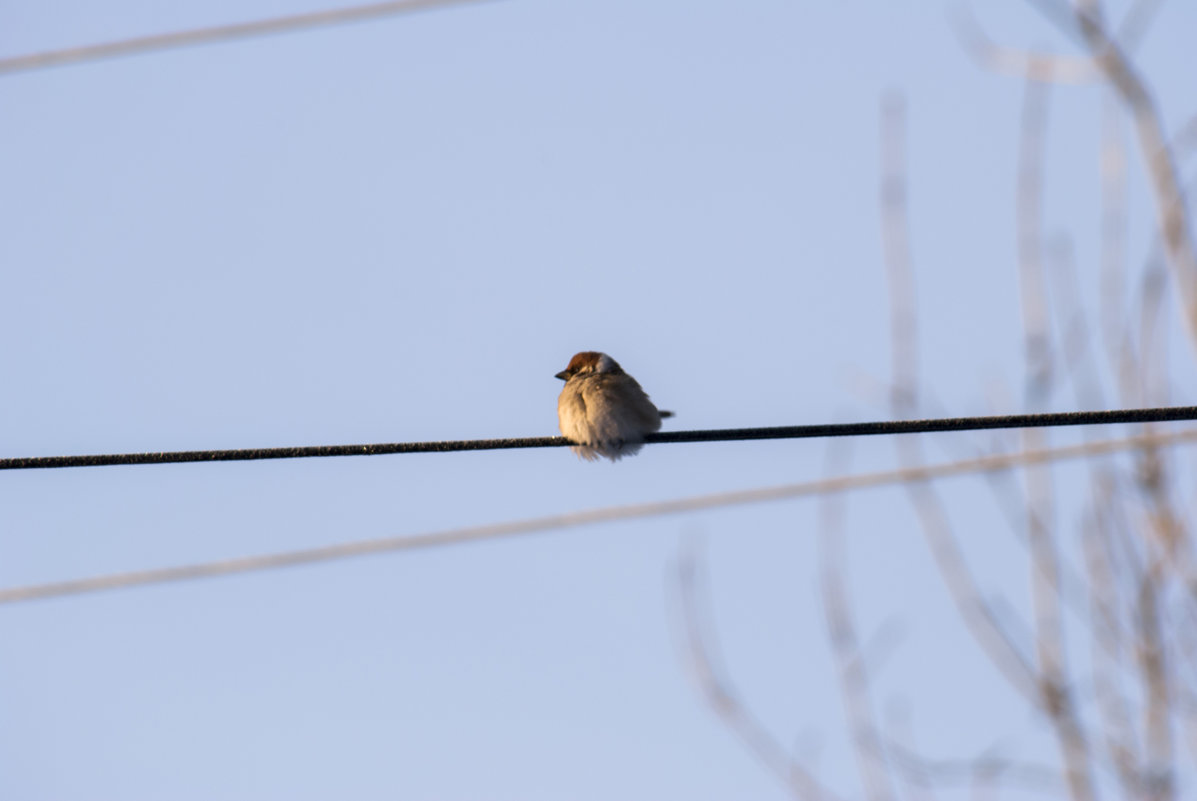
1113 230
1037 341
851 662
1109 633
1042 66
1012 61
975 611
719 691
987 769
1107 60
1172 210
1108 661
1056 696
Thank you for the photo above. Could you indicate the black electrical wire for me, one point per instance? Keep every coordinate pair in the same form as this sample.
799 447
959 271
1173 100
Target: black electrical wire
1157 415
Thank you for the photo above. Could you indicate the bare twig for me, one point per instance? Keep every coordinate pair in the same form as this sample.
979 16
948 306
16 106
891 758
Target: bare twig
717 688
1056 699
1113 231
1030 64
988 769
1172 212
1158 778
1108 641
978 616
852 665
1075 333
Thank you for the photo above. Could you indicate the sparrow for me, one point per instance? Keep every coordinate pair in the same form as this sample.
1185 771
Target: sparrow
602 409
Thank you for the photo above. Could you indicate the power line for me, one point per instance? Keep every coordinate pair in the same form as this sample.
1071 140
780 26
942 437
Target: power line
1158 415
495 531
219 33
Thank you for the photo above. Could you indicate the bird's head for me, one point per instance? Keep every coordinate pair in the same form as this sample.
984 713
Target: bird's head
588 362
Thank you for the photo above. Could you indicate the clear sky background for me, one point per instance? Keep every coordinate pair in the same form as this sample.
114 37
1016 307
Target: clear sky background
400 230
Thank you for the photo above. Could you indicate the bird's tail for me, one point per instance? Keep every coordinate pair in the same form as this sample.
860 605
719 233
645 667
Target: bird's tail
664 414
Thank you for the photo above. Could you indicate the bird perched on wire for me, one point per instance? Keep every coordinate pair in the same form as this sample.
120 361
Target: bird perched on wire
602 409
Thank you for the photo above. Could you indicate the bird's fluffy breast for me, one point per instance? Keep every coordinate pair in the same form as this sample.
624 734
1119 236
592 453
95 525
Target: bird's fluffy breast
608 414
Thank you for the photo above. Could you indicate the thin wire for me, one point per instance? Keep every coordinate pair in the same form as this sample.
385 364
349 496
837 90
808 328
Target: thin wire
711 435
219 33
459 536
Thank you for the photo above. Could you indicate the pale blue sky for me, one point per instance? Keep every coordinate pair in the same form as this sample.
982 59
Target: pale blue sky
401 230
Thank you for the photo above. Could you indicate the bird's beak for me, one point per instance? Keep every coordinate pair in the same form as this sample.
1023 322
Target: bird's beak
563 375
